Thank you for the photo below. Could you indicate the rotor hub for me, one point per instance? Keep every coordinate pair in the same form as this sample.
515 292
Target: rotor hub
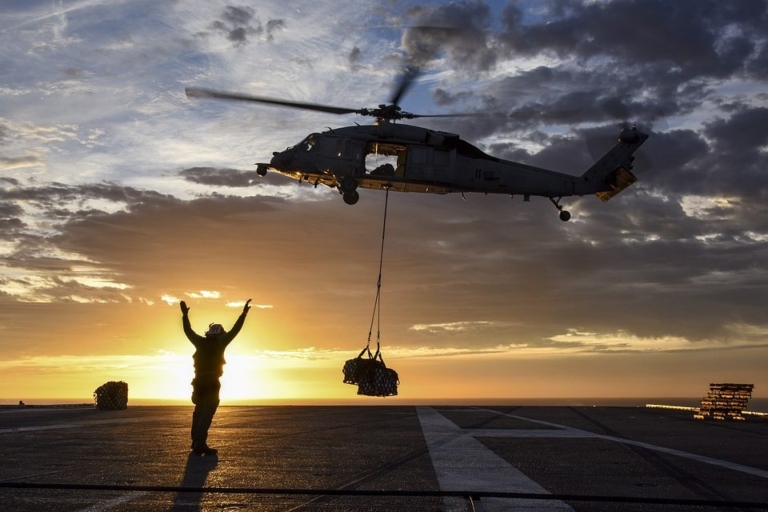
629 135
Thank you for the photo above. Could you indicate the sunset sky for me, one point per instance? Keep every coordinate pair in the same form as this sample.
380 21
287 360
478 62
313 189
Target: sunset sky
119 197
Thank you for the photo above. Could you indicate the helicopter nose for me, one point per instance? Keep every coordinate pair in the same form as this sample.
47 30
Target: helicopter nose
281 159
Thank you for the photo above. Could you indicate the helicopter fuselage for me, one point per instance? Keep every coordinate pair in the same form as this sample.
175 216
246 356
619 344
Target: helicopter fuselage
408 158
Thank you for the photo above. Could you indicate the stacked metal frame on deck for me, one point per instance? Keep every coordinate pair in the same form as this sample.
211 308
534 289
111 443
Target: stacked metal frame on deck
725 402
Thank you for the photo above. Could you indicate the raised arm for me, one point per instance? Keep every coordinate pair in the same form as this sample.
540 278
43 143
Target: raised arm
238 324
192 336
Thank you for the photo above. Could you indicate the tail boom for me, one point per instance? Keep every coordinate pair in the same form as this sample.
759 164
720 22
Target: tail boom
613 172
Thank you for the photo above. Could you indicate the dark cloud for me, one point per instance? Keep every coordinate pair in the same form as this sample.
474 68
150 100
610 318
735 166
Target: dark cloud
10 210
354 56
691 230
227 177
56 195
635 282
668 247
633 61
639 264
727 158
240 25
75 73
10 221
757 67
458 29
16 162
443 98
555 95
691 35
273 26
744 132
10 225
219 177
546 96
237 15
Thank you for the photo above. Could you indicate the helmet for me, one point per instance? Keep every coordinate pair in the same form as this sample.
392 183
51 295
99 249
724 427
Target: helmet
214 330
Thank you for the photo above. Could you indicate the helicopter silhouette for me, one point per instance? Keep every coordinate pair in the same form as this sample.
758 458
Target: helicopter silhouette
388 155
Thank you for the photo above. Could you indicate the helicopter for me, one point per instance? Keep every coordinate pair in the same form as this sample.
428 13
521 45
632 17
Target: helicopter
388 155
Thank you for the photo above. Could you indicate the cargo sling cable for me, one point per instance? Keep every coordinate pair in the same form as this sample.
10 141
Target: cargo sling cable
371 374
377 302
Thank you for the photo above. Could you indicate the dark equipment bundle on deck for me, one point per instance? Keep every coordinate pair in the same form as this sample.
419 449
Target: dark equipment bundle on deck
112 396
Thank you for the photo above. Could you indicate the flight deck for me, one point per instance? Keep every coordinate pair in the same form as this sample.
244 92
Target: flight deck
382 458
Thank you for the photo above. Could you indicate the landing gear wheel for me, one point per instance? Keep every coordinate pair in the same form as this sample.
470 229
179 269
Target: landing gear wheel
351 197
564 215
347 185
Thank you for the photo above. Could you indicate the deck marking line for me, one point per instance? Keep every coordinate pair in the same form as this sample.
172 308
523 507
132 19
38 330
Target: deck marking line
56 426
670 451
462 463
120 500
492 432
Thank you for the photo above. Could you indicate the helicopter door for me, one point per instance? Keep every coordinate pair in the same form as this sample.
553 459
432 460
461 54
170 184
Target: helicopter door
343 156
418 163
430 164
355 150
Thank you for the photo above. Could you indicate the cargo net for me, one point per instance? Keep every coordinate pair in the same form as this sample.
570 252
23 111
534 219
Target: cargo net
725 402
370 374
111 396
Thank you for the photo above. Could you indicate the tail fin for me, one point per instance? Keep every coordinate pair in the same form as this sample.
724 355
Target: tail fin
613 172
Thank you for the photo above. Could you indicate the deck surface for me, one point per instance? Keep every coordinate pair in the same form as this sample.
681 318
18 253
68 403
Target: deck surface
143 452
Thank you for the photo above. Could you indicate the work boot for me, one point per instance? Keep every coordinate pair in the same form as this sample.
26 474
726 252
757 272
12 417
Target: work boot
201 448
207 450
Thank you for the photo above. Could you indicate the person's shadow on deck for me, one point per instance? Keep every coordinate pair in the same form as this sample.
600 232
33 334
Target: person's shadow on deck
195 475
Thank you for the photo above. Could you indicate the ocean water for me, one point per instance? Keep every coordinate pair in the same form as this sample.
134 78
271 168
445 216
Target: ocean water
755 404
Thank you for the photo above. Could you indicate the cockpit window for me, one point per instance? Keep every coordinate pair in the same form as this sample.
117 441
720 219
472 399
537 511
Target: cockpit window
309 143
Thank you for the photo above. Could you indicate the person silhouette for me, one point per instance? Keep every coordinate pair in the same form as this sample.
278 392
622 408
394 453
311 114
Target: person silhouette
209 367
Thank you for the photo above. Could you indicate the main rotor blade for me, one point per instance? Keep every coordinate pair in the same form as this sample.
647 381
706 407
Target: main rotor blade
199 92
414 116
410 73
421 42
